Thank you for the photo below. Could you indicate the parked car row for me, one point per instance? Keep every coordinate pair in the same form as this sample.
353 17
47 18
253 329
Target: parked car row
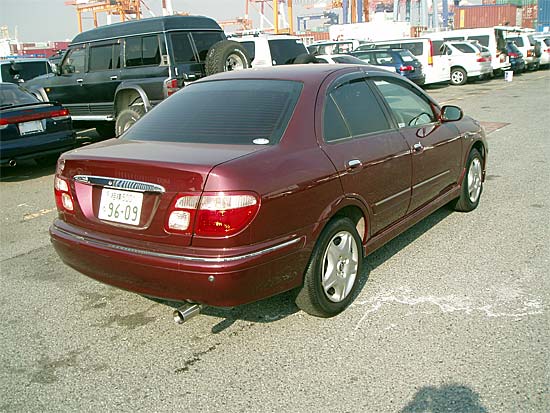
459 55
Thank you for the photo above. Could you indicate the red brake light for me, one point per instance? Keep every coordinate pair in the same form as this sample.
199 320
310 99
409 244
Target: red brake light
214 214
431 54
171 86
63 197
513 55
54 114
407 68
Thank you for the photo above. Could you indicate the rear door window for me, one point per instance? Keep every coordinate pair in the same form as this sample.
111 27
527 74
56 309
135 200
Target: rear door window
104 57
142 51
284 51
464 48
233 112
359 108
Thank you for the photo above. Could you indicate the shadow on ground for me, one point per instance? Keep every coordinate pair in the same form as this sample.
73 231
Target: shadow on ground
449 398
282 305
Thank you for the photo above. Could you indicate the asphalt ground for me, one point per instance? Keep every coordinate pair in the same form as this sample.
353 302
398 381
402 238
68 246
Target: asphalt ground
453 315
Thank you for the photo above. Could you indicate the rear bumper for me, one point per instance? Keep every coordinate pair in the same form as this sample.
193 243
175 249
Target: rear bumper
218 280
37 146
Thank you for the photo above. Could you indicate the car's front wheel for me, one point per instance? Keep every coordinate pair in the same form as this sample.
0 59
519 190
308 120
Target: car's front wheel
472 183
332 275
458 76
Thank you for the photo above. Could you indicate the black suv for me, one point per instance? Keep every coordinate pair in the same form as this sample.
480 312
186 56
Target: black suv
110 76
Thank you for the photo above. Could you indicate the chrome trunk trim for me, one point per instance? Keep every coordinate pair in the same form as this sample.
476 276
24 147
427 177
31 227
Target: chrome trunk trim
117 183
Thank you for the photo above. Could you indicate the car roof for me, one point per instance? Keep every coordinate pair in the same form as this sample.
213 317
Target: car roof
147 26
306 73
24 59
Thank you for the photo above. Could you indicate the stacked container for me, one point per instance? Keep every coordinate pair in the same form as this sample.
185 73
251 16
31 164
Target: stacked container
543 15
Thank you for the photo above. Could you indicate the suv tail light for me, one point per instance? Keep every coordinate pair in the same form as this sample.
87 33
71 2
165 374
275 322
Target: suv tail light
513 55
214 214
171 86
530 53
407 68
482 58
431 54
63 198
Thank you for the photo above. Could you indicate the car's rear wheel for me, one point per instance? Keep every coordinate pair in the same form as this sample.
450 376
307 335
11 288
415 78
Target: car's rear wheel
126 119
458 76
226 56
472 184
332 275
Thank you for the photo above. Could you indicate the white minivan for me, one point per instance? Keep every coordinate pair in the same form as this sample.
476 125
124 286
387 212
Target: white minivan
435 65
491 37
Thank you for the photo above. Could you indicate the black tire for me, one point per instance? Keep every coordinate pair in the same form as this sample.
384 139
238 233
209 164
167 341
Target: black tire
458 76
304 58
465 202
314 297
127 118
106 130
226 56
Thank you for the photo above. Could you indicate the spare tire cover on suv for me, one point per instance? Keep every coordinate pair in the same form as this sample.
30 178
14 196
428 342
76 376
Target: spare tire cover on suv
225 56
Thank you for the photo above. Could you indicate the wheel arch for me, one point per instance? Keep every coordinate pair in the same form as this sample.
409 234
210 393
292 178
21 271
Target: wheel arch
126 95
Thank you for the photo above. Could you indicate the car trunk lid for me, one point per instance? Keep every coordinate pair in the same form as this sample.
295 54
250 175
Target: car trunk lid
126 188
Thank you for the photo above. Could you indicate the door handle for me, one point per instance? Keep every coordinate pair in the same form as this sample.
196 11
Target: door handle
417 147
354 163
79 81
114 77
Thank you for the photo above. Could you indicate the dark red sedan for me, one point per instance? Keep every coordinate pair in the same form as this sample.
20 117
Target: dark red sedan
247 184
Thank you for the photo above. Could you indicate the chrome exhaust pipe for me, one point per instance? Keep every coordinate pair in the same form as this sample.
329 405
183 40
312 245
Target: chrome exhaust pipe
186 312
12 162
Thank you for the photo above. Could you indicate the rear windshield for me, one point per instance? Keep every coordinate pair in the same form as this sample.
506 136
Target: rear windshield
484 40
406 56
16 71
233 112
517 40
11 95
284 51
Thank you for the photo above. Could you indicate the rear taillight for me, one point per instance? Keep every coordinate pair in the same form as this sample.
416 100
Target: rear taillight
431 54
513 55
481 59
63 197
214 214
407 68
26 117
171 86
530 53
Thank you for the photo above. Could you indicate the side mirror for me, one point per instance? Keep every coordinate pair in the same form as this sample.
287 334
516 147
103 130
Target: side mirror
450 113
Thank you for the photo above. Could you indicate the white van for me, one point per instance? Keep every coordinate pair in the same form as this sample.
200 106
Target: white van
435 65
491 37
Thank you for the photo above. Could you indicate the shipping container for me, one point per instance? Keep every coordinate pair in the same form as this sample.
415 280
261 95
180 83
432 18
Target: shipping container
489 2
513 2
529 23
543 15
472 17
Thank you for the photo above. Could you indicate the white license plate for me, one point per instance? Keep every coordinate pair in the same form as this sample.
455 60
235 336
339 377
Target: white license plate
120 206
33 126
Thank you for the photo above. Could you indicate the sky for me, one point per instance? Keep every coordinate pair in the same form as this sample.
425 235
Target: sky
43 20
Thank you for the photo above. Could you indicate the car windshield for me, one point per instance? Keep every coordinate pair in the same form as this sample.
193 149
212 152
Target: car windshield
12 95
233 112
19 71
284 51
